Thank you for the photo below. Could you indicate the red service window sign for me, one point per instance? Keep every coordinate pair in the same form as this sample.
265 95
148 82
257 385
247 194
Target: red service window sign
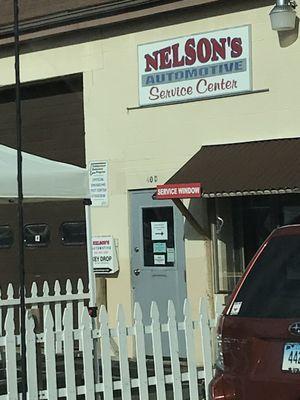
178 191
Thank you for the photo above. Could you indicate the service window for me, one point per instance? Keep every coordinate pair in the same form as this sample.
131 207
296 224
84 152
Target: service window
6 237
36 235
73 233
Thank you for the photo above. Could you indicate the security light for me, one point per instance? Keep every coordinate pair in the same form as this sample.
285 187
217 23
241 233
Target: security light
283 15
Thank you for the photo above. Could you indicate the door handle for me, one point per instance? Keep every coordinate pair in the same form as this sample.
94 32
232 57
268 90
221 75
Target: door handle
136 271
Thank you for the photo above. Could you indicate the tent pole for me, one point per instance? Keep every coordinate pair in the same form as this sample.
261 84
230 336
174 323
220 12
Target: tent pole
92 283
92 287
20 201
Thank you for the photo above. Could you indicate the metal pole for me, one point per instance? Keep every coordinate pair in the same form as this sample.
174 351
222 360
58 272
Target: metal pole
20 201
92 282
214 243
92 287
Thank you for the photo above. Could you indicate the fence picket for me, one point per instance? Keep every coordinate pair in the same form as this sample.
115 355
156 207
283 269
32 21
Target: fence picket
49 344
140 352
157 353
87 354
33 297
46 289
69 304
174 351
80 305
105 354
69 356
69 286
11 354
190 351
58 315
206 343
123 354
31 358
10 298
46 305
34 292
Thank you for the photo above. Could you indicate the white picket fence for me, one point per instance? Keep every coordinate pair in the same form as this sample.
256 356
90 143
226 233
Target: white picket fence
71 374
56 298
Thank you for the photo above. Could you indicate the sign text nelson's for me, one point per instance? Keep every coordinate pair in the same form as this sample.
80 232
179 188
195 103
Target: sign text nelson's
202 65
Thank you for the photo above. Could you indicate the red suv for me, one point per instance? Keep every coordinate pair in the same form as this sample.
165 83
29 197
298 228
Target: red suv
258 337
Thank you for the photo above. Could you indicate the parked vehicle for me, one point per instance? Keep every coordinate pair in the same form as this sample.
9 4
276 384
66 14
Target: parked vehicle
258 336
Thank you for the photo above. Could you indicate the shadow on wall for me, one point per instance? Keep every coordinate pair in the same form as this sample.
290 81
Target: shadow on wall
287 38
199 209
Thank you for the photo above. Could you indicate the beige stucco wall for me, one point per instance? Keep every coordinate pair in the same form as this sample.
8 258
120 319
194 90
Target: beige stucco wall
157 141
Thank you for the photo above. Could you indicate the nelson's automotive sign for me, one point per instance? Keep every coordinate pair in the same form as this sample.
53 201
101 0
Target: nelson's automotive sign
196 66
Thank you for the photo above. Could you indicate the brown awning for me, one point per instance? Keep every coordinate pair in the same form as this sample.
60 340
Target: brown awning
250 168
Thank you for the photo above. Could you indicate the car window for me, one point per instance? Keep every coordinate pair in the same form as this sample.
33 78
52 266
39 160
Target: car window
272 289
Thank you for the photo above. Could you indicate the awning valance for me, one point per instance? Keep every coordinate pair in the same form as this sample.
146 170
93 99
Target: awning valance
249 168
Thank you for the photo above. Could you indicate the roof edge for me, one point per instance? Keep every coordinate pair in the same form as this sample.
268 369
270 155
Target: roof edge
117 11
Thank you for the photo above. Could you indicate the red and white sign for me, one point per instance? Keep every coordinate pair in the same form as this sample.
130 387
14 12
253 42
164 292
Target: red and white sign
196 66
178 191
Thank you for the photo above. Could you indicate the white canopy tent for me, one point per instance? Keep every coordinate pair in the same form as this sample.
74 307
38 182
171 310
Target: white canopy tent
45 180
42 178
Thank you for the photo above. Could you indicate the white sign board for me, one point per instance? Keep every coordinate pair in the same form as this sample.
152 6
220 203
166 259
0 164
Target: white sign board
159 230
197 66
98 178
105 259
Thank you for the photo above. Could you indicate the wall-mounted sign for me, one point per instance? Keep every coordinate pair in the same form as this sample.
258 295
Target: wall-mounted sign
178 191
195 66
105 260
98 180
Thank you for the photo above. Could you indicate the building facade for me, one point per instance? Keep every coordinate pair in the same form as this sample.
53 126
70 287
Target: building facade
145 138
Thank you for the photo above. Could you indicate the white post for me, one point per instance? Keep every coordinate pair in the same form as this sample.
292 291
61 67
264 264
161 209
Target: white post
92 284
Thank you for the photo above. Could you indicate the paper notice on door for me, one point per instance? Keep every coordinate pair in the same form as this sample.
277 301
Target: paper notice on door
159 230
171 254
159 259
159 247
